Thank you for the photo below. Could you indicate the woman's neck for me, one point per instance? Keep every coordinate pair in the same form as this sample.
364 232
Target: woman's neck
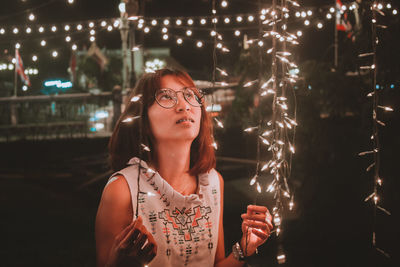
173 162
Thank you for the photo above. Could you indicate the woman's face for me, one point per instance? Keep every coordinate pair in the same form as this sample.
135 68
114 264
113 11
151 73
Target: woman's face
179 123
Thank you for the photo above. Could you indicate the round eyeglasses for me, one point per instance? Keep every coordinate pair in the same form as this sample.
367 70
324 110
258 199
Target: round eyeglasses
168 98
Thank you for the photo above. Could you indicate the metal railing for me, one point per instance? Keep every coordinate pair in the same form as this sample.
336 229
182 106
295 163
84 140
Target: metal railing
57 116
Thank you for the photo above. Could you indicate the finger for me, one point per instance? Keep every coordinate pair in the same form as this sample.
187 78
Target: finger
147 249
260 234
129 237
139 242
254 224
254 217
258 217
257 209
124 232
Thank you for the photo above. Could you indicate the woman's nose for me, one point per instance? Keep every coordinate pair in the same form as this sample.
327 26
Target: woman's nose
182 103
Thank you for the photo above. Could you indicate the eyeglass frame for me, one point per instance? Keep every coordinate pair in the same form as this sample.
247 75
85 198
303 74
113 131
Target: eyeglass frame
198 94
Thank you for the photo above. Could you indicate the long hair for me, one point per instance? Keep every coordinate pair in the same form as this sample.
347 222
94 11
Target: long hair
125 141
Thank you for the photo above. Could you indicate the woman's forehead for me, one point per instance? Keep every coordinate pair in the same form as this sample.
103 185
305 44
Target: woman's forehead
174 82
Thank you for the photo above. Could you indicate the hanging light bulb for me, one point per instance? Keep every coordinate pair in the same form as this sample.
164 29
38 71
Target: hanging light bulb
67 27
28 30
199 44
178 22
224 3
43 43
154 22
179 41
188 32
79 27
15 30
53 28
31 17
54 54
74 47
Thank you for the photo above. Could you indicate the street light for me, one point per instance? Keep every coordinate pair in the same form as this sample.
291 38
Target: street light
128 10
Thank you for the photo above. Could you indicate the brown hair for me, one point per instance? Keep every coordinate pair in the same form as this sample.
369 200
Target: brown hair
125 141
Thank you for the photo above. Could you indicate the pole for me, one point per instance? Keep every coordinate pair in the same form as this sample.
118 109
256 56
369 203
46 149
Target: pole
13 104
336 45
124 38
15 73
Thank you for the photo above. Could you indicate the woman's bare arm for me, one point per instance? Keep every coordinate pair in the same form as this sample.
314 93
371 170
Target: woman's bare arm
113 215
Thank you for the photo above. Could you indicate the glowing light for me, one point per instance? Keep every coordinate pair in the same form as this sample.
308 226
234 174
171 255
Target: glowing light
303 14
306 22
332 9
297 14
253 180
164 30
166 22
146 29
79 27
24 88
92 32
213 33
2 31
116 23
190 22
74 47
68 39
70 2
31 17
109 28
15 30
53 28
328 16
299 33
224 3
54 53
17 45
43 43
136 98
165 36
309 13
394 11
250 18
380 6
28 30
178 22
199 44
388 6
179 41
67 27
239 19
320 25
189 33
154 22
92 38
227 20
219 124
103 23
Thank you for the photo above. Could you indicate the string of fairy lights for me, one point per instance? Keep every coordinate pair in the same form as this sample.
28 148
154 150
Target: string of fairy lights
375 197
276 135
180 29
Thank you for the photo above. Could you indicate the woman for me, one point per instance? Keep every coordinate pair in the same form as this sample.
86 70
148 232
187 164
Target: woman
164 206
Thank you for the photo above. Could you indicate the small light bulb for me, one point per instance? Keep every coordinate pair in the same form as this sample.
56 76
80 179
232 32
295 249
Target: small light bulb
154 22
188 32
250 18
68 39
179 41
28 30
79 27
53 28
306 22
92 38
190 22
34 58
74 47
31 17
166 22
17 45
15 30
165 36
67 27
239 19
43 43
146 29
54 53
224 3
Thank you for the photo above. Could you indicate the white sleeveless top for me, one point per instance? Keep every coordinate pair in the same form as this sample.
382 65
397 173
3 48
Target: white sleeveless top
184 227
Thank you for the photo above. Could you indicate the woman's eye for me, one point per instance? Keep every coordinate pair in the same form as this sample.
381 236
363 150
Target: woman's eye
165 97
189 94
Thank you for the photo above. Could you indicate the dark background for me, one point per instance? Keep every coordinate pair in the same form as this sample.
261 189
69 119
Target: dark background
50 190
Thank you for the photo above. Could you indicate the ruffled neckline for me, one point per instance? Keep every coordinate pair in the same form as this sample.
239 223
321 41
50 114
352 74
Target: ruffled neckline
166 191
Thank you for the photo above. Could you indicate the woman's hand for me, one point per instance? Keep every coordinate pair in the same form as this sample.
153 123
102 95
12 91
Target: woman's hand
256 228
134 246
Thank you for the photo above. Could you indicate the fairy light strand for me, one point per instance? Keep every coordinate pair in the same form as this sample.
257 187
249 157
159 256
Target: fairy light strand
374 196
